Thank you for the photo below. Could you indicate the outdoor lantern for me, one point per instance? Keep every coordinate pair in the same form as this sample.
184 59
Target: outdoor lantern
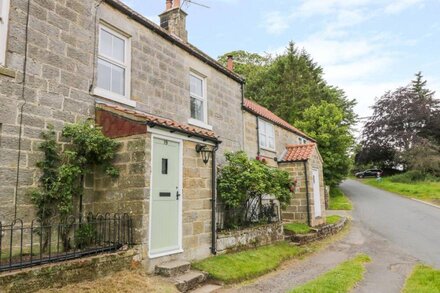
204 151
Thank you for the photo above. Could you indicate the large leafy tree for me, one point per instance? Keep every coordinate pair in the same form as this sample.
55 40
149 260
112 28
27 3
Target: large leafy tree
325 123
402 119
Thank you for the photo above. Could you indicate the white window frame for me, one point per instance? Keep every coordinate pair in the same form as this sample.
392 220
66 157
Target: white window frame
4 20
204 99
266 124
123 99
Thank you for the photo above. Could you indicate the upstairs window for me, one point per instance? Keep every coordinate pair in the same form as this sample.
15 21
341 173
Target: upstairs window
302 140
4 18
198 103
266 135
113 80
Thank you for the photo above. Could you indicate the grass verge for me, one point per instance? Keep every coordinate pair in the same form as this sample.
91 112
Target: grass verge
423 279
333 219
340 279
427 191
245 265
338 200
297 228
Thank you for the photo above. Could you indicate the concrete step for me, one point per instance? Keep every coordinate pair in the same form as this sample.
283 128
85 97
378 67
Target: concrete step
173 268
208 288
189 280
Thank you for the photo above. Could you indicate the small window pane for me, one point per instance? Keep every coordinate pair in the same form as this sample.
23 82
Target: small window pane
118 80
165 166
197 109
196 85
263 140
105 45
118 49
104 74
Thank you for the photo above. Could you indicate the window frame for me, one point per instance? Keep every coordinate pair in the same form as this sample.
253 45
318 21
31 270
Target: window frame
200 123
266 146
126 98
4 24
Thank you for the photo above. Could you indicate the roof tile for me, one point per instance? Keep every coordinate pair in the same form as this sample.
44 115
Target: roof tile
299 152
160 121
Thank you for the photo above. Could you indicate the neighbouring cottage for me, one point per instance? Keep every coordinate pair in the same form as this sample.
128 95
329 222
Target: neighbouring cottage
276 142
174 109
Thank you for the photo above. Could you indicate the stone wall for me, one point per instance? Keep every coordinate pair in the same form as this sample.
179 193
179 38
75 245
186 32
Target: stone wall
129 193
249 238
60 73
296 211
321 232
61 274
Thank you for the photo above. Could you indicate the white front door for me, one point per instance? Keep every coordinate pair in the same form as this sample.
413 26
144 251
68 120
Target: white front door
316 193
165 235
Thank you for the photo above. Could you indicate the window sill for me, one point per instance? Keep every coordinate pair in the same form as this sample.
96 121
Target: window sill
199 123
268 149
7 72
114 97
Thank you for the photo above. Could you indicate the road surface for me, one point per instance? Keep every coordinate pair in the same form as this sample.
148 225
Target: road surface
408 224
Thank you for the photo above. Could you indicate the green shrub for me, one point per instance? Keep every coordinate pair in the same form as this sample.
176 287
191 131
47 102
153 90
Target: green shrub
84 236
413 176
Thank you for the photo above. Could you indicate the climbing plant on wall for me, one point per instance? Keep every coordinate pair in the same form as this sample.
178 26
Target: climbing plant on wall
63 168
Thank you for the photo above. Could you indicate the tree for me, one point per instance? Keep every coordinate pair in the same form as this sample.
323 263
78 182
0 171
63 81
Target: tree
401 119
325 123
288 84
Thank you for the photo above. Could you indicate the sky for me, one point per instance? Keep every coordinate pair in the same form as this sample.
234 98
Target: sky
366 47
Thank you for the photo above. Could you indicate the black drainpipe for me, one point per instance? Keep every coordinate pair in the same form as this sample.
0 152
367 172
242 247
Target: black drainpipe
258 136
307 193
214 202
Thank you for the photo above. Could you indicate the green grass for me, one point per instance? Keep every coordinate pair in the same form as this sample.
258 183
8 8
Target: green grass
429 191
338 200
340 279
333 219
245 265
297 228
423 279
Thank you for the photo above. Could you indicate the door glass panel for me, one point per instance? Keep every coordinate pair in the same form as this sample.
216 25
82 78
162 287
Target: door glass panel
164 166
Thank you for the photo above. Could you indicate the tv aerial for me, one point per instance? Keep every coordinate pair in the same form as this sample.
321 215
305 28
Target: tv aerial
189 2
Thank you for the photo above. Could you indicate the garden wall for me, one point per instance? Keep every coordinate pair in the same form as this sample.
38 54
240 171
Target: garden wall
248 238
61 274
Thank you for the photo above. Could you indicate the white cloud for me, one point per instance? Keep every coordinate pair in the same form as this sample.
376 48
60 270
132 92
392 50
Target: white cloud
276 23
399 5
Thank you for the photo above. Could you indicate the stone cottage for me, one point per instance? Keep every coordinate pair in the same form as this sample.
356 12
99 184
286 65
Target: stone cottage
278 143
174 109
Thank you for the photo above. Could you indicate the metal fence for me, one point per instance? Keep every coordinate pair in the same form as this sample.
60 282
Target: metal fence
41 242
258 210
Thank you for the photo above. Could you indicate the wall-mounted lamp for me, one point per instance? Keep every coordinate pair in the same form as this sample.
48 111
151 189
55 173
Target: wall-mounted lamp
204 151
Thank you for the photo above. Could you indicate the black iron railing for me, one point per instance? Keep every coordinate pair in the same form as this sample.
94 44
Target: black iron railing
252 212
42 242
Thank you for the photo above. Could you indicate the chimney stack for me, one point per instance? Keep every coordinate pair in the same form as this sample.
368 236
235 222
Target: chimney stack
174 20
230 64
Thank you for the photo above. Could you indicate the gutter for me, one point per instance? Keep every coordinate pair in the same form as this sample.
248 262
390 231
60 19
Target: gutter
214 202
174 40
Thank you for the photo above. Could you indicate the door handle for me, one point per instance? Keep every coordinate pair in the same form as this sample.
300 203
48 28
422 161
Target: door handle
177 195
